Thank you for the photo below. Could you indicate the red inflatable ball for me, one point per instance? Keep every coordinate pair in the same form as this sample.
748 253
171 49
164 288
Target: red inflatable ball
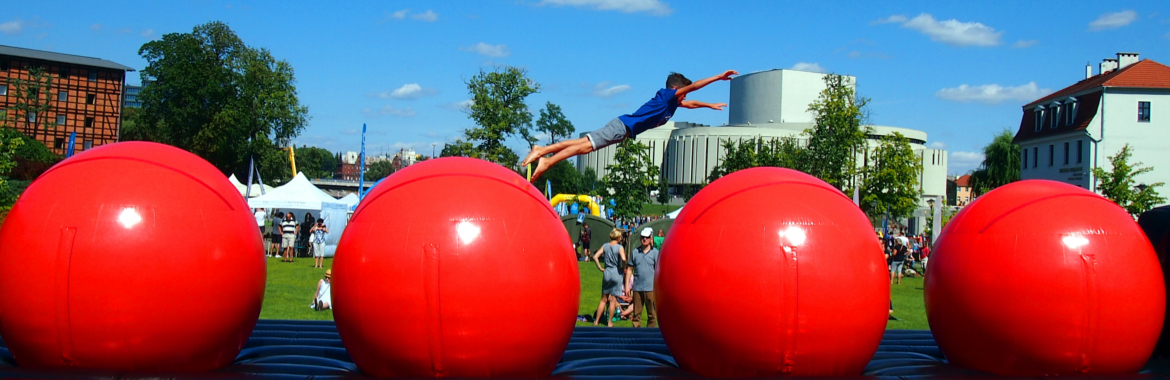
130 257
455 267
1040 278
770 271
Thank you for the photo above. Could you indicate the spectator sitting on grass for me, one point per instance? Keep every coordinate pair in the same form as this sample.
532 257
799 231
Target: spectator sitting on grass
323 300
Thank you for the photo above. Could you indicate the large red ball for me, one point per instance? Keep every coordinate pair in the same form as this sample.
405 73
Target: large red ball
1044 278
455 267
130 256
770 271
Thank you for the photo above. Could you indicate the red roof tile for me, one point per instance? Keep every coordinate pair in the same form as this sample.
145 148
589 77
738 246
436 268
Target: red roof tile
963 180
1144 74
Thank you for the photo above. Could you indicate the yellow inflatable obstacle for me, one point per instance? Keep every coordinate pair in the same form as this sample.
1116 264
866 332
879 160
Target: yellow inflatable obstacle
594 208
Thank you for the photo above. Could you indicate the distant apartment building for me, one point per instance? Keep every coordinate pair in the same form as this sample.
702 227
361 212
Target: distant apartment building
131 99
963 190
350 169
1066 134
85 97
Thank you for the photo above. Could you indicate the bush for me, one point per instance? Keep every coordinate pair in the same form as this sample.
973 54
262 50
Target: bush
32 157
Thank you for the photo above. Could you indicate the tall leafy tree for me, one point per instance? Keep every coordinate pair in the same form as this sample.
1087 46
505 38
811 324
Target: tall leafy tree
1121 187
553 122
564 178
838 134
498 108
213 95
379 170
1001 164
315 162
890 182
663 188
630 178
32 98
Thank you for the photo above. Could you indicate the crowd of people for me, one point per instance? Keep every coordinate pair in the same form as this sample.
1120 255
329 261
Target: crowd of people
289 239
903 253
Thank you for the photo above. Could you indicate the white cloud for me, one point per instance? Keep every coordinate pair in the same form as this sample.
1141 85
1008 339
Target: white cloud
962 162
95 27
1021 44
937 145
428 16
992 93
147 33
408 91
462 106
497 51
898 19
12 27
1113 20
654 7
389 110
400 15
812 67
604 90
952 32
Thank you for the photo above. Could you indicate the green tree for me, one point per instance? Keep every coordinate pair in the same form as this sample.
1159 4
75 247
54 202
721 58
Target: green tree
890 182
750 153
498 108
379 170
32 98
1001 164
553 122
315 162
8 147
214 96
663 187
630 178
565 179
838 134
1120 186
460 148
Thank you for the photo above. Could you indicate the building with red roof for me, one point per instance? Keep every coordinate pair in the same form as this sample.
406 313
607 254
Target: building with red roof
963 190
1065 134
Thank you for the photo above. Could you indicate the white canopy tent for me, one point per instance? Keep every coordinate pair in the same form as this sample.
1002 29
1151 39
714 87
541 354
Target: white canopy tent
244 188
299 196
674 214
351 199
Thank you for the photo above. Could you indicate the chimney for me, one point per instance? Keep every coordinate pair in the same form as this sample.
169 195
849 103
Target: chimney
1126 59
1108 64
1088 71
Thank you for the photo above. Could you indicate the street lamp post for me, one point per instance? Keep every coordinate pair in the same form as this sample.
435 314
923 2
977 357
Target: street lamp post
433 149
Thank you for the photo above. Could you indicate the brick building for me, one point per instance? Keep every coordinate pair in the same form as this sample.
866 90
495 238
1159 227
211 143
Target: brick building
85 97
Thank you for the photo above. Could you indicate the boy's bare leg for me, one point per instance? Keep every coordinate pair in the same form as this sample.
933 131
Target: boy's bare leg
541 151
571 148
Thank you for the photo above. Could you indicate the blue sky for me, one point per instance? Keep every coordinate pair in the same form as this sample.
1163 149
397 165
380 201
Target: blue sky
958 70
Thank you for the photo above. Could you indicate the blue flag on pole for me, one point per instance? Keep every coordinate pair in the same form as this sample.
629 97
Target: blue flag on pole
72 142
362 167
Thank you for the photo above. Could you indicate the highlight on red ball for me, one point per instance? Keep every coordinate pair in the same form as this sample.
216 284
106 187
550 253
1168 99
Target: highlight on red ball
1039 278
434 263
769 272
132 256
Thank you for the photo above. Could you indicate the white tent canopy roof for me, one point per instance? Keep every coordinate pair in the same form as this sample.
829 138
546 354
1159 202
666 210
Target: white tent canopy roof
674 214
244 188
298 194
351 199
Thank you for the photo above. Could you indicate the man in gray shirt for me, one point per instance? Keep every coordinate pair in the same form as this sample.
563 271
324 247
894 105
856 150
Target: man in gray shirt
644 261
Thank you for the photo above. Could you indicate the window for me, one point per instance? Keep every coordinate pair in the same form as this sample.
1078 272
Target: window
32 117
3 89
89 122
1051 153
60 119
87 144
3 65
1025 160
1039 112
1143 111
63 72
1035 156
1080 150
90 99
92 76
59 143
1066 153
1071 110
1056 110
62 96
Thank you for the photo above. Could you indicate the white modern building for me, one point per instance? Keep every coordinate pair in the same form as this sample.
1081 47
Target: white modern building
766 104
1064 135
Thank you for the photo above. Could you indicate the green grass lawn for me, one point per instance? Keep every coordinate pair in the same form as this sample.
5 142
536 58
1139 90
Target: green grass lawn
656 209
290 290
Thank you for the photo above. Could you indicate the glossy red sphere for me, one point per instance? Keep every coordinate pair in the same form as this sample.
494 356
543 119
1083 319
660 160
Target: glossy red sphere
130 256
770 271
455 267
1044 278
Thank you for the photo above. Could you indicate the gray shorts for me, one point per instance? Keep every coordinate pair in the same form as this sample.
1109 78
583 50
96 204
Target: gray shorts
289 240
612 133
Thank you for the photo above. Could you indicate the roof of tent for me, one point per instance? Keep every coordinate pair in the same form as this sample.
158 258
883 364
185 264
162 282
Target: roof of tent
298 194
351 199
243 188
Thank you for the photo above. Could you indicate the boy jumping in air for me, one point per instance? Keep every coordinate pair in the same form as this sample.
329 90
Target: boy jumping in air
654 113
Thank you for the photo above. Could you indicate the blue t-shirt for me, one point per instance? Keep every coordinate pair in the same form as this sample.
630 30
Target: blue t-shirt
654 113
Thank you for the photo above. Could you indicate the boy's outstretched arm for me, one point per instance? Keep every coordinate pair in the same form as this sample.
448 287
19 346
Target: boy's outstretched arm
682 92
697 104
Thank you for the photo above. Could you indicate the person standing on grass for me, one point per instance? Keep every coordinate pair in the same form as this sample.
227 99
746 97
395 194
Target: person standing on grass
644 261
317 236
613 255
260 217
899 256
288 241
653 114
274 234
